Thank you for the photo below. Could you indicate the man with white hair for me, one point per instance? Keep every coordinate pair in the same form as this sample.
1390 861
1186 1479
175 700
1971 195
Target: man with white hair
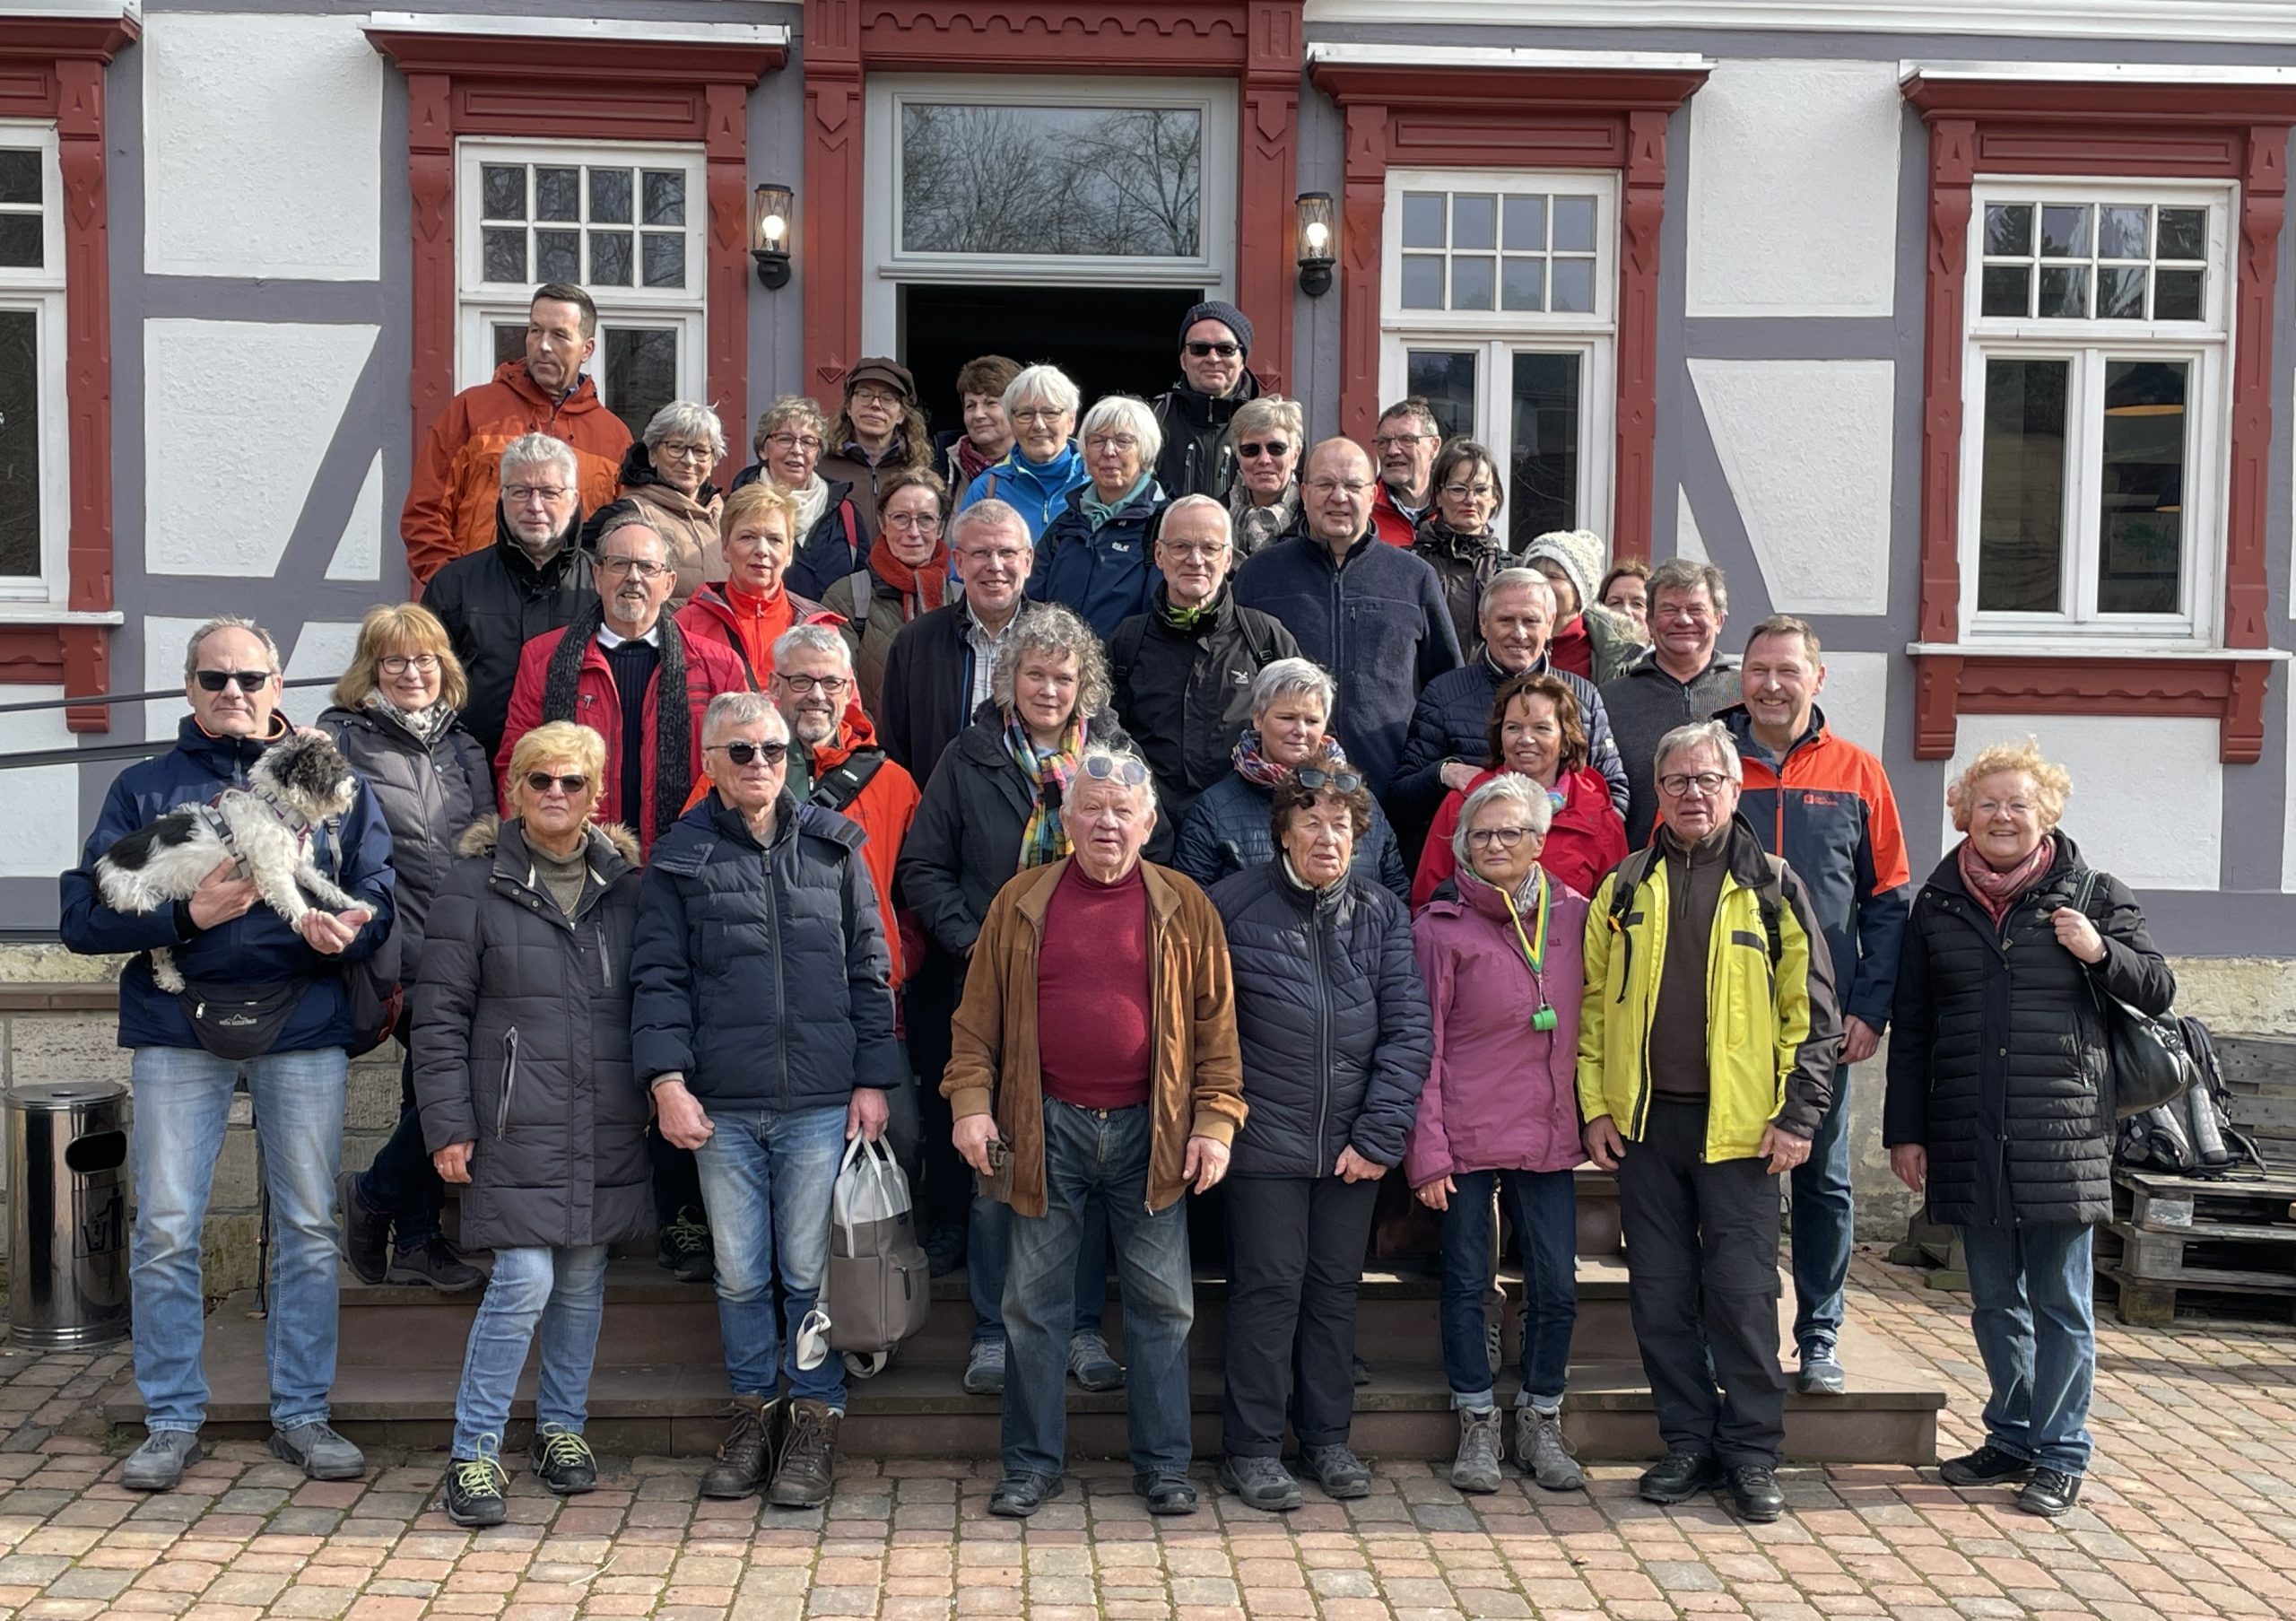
762 1018
1095 1059
1706 1040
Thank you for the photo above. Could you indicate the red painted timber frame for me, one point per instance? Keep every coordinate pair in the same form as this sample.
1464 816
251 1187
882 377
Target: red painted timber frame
2046 127
1258 42
1481 118
536 88
53 68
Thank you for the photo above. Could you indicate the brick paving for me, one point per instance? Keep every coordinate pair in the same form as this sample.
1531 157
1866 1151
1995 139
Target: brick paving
2191 1511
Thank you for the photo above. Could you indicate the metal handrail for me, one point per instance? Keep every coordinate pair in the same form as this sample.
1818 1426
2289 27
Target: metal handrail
165 692
96 754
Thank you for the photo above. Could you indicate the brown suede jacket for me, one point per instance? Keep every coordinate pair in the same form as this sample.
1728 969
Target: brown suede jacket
1195 1085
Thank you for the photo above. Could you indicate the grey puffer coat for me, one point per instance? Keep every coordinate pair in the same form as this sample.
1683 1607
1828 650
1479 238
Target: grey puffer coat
522 1045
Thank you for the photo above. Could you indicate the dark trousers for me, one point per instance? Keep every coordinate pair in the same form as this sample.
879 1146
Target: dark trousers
1545 1206
677 1180
1701 1282
401 1183
1295 1260
945 1195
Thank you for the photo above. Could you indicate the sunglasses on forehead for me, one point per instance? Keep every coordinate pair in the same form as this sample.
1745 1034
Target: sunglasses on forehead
743 752
246 680
1313 780
1130 772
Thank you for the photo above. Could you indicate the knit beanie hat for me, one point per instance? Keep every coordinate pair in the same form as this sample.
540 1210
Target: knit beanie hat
1227 315
1580 551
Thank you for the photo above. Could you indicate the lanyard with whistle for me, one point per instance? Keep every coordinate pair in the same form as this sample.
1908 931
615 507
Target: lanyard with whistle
1535 955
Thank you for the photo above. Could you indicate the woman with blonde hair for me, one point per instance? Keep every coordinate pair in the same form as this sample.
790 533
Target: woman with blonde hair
2000 1104
397 719
748 610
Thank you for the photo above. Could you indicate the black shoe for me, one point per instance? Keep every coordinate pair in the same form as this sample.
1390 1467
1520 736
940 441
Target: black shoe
366 1236
745 1461
434 1262
686 1248
807 1471
1017 1496
944 1252
1987 1466
1340 1473
1362 1371
1680 1476
562 1461
474 1489
1263 1482
1168 1493
2050 1493
1754 1494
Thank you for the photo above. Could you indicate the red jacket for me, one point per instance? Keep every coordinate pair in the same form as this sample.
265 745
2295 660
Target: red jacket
712 617
1390 522
709 670
1586 840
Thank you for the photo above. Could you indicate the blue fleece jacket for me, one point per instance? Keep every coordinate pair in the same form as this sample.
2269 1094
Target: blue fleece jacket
1038 490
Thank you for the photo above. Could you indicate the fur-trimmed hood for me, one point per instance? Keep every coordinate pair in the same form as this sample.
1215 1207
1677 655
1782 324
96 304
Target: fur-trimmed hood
483 836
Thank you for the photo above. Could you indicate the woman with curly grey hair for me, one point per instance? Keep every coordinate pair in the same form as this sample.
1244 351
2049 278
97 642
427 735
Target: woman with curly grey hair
665 485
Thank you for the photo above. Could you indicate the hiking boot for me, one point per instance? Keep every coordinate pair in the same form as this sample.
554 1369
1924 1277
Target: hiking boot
1821 1374
366 1236
562 1461
944 1252
1476 1467
808 1467
1340 1472
433 1261
2050 1493
1362 1371
476 1489
1263 1482
1754 1494
985 1368
746 1457
1987 1466
684 1250
158 1465
320 1452
1090 1364
1680 1476
1543 1453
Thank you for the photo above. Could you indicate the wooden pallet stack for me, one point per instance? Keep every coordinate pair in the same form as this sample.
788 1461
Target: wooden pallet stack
2224 1246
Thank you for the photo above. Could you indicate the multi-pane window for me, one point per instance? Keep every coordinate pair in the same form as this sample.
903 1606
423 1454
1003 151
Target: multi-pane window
34 430
1499 308
2096 392
627 223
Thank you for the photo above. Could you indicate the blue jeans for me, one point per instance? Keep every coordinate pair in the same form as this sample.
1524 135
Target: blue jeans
1097 1159
183 1101
988 1242
401 1183
2032 1308
767 1177
563 1289
1544 1205
1824 1223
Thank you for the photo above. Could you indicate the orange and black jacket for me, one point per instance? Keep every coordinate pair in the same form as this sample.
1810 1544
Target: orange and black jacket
1827 808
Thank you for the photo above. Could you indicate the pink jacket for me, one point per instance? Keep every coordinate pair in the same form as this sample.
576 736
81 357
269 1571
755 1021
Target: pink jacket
1502 1096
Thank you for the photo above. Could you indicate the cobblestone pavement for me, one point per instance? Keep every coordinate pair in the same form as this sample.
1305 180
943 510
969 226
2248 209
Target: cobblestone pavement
2191 1511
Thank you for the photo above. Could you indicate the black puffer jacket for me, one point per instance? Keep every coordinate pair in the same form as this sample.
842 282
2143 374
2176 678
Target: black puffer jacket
1229 830
431 794
494 603
1332 1016
965 844
1185 695
522 1046
761 971
1997 1056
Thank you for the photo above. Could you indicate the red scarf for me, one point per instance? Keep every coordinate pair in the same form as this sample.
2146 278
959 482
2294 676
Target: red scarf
919 589
970 463
1997 892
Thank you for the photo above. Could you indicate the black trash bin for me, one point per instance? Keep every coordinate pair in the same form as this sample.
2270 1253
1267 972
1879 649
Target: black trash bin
67 1214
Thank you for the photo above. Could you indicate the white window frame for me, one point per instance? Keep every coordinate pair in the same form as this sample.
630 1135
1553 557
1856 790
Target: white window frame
2205 345
42 292
888 265
1499 335
481 305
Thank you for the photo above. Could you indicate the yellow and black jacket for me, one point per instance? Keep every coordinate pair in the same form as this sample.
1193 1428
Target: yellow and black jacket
1773 1030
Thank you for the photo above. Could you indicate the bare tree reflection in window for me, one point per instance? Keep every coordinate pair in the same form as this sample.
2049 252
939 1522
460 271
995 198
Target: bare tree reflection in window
1126 182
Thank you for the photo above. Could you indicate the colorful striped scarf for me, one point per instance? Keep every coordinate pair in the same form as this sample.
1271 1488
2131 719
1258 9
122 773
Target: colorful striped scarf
1044 839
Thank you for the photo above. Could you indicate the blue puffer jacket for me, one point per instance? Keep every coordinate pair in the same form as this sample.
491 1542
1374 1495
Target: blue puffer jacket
1376 620
1038 491
760 972
254 950
1452 722
1107 574
1332 1017
1229 830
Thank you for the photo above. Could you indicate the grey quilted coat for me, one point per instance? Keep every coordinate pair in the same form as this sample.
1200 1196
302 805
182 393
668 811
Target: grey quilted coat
522 1045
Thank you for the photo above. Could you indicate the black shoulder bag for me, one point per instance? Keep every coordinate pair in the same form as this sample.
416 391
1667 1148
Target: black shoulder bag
2147 1062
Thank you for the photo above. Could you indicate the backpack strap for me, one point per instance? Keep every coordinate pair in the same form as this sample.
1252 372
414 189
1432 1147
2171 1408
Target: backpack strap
836 790
1256 639
852 528
1123 648
1770 900
1632 874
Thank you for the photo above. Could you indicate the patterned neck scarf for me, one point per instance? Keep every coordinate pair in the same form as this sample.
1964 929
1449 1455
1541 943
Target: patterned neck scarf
423 725
1997 892
1258 769
1044 839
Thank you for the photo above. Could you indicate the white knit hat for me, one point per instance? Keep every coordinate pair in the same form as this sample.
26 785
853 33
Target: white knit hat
1581 553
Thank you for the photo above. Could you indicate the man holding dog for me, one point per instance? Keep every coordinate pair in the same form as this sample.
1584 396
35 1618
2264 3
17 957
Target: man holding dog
282 995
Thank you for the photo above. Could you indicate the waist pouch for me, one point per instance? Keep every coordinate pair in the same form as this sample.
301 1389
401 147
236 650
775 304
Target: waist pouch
233 1022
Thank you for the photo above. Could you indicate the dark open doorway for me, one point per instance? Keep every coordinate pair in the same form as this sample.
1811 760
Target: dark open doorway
1111 340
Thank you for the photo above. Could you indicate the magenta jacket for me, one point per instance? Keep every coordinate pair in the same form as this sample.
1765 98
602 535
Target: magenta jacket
1502 1096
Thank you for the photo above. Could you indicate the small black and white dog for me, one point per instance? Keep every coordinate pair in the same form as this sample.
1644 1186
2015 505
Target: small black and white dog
265 827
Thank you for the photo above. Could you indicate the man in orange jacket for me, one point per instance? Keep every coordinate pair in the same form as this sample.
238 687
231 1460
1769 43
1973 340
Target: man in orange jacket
450 503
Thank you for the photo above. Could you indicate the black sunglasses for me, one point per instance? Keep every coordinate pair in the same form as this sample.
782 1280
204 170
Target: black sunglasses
1345 782
246 680
1257 447
539 783
743 752
1223 349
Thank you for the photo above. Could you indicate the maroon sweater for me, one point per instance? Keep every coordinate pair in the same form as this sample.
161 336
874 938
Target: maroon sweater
1093 1024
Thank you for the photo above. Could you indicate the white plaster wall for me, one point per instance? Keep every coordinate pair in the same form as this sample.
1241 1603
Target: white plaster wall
2127 771
39 806
238 414
1794 188
322 648
1856 698
1806 446
1688 542
163 639
358 554
262 146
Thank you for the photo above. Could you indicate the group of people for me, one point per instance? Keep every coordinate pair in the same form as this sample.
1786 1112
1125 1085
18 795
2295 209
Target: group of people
1104 806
